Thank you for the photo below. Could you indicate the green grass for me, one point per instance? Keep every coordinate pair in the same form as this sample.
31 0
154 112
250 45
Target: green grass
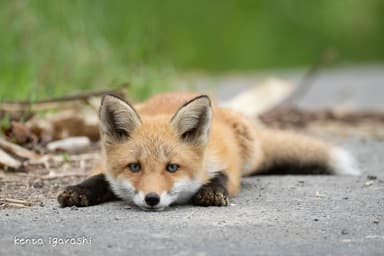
50 48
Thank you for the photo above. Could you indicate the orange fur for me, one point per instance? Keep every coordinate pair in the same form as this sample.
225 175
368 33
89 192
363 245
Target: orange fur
235 147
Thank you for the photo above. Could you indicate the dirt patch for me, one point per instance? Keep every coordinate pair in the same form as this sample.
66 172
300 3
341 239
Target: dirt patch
23 189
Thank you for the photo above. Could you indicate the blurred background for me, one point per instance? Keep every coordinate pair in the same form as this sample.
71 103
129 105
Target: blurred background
52 48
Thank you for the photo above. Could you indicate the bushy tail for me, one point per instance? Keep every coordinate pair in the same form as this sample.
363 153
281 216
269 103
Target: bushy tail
289 153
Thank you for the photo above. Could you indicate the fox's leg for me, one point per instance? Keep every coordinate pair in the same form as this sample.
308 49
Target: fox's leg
92 191
214 193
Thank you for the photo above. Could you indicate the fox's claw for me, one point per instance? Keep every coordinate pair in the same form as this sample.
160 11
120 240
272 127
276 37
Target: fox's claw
74 196
211 195
94 190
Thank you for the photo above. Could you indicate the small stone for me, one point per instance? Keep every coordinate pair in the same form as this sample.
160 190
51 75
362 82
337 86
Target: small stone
41 204
301 181
127 207
73 145
315 219
74 208
371 177
344 232
345 198
38 184
368 183
6 214
376 222
318 194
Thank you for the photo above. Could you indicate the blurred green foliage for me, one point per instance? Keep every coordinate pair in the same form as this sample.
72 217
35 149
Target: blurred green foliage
52 47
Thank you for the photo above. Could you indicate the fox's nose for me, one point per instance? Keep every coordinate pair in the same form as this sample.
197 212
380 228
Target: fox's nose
152 199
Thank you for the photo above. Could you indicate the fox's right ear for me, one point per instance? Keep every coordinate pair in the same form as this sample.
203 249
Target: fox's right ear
118 119
193 120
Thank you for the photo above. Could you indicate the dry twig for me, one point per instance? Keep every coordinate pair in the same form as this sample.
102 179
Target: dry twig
8 161
29 106
17 150
15 203
306 82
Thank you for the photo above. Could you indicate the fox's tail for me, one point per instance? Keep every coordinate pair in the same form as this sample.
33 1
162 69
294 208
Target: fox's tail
289 153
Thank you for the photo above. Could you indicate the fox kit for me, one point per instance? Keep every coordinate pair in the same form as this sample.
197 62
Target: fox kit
180 147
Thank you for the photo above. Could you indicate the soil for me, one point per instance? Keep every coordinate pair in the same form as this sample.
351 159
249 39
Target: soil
44 182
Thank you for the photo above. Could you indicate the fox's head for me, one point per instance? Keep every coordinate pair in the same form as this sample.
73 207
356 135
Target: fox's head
154 161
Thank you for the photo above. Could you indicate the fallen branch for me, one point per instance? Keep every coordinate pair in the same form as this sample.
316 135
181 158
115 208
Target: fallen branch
306 82
28 106
15 203
60 158
8 161
52 176
17 150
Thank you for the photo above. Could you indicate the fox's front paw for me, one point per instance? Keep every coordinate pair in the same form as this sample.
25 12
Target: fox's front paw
211 195
75 196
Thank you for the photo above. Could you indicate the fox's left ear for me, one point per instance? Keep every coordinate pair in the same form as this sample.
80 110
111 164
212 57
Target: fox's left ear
193 120
118 119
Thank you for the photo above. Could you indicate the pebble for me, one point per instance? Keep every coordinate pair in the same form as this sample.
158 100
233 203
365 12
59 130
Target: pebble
74 208
74 145
371 177
38 184
368 183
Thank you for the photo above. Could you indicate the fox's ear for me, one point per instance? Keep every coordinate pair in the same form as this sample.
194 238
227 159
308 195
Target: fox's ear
118 119
193 120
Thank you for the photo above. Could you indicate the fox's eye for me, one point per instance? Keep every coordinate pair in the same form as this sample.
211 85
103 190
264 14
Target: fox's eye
134 167
172 167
